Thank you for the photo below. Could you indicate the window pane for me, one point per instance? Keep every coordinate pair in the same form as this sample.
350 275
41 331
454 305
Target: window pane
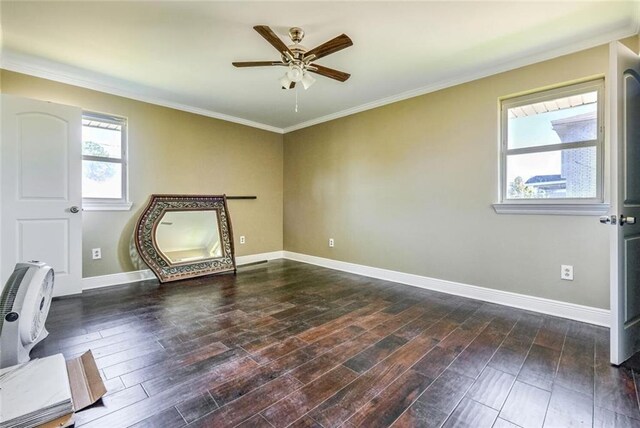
103 142
101 180
557 174
562 120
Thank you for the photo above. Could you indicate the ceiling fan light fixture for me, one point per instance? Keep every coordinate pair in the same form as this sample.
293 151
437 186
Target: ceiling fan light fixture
285 82
295 73
307 80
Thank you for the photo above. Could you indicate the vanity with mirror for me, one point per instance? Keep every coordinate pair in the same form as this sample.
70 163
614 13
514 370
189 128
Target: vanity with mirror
185 236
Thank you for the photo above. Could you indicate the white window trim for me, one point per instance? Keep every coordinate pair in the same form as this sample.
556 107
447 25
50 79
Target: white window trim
112 206
107 204
556 206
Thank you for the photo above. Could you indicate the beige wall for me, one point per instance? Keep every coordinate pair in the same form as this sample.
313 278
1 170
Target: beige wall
171 151
409 187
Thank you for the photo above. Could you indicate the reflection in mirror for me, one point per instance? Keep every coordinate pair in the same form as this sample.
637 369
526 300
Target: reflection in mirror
187 236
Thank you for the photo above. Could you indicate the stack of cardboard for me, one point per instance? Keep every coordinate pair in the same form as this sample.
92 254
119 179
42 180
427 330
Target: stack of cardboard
47 390
35 392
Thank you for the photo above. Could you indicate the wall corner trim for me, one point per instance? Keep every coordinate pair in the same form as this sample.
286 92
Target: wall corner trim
121 278
572 311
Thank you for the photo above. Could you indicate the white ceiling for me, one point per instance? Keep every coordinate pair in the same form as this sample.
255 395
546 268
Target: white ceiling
180 53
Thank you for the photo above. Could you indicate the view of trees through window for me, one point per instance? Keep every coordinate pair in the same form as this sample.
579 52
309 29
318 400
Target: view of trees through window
552 147
102 159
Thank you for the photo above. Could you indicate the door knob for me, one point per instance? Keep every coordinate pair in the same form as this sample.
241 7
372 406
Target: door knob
74 209
627 220
605 219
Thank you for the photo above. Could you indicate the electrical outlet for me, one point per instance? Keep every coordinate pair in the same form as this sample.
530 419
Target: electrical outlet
96 253
242 240
331 243
566 272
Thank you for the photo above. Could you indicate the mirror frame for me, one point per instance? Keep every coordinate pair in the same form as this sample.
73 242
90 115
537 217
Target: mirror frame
145 237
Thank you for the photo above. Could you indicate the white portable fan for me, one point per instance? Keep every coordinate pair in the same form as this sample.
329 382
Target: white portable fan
24 306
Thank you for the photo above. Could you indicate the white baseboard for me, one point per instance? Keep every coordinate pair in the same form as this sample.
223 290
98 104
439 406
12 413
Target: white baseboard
116 279
253 258
537 304
144 274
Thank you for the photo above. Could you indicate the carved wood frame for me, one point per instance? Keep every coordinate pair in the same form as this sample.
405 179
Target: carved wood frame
149 251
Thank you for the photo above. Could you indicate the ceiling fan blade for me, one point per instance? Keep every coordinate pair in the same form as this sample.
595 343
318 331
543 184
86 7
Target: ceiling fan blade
330 72
291 86
272 38
327 48
256 63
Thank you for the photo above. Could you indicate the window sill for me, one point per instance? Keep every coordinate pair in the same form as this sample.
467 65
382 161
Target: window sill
106 206
552 209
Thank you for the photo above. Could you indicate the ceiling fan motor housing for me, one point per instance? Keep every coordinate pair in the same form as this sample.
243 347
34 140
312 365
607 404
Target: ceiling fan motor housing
296 34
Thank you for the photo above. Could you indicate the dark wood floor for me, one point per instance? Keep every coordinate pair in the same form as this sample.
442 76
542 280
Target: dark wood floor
286 343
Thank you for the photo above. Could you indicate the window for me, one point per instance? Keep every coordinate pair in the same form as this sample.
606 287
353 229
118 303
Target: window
551 151
104 162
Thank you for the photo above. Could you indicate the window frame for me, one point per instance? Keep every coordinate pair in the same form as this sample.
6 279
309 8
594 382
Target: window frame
569 206
110 204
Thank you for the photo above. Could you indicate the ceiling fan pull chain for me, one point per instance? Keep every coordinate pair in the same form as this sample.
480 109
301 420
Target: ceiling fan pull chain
296 99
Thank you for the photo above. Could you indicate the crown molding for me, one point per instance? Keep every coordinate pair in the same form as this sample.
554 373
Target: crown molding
36 67
510 64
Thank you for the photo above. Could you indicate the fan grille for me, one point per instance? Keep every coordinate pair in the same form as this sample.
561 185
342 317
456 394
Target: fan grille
10 292
42 305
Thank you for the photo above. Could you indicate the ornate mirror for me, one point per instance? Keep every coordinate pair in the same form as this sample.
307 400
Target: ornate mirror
185 236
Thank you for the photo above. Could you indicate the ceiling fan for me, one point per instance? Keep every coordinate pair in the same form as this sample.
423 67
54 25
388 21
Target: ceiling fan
298 59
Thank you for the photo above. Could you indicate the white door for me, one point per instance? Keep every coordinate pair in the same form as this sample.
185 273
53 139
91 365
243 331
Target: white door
41 214
625 209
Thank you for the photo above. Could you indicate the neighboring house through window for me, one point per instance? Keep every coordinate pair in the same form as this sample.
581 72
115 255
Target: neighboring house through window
104 162
552 151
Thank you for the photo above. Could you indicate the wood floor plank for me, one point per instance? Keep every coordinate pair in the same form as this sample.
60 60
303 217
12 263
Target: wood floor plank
169 418
277 350
568 408
552 333
110 403
437 402
604 418
615 390
322 364
375 353
196 407
305 422
526 405
470 413
576 367
246 407
540 367
244 383
501 423
492 388
348 400
475 357
295 405
255 422
386 407
284 339
330 341
231 360
147 370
